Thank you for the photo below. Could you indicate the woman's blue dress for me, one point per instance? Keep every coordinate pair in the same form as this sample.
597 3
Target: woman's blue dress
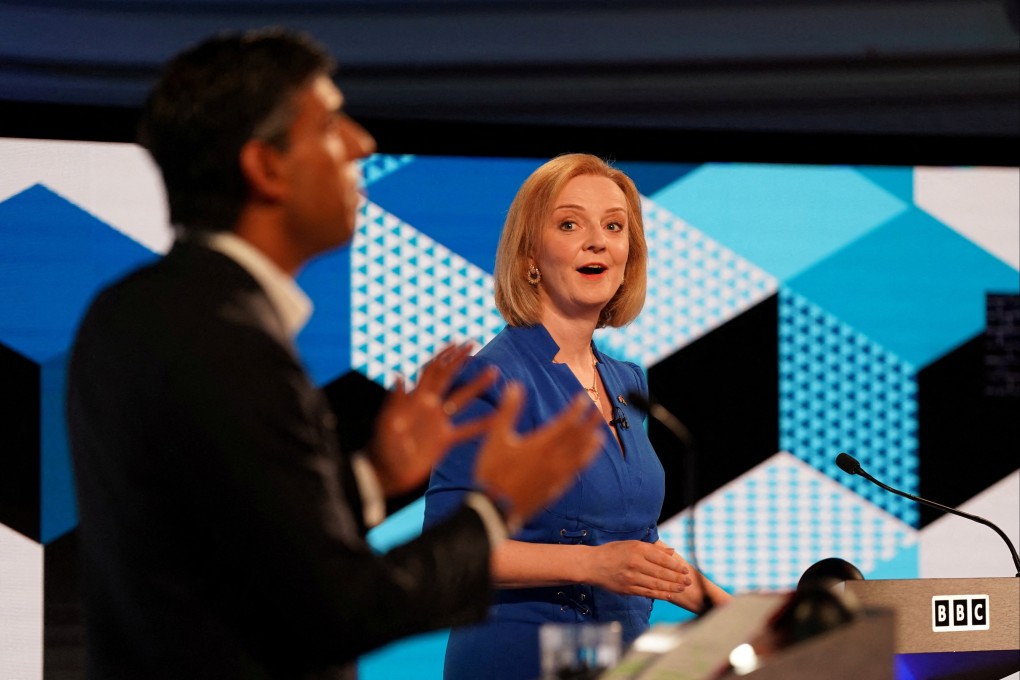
618 497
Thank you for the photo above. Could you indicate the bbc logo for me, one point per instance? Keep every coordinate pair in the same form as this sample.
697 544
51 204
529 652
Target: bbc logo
959 613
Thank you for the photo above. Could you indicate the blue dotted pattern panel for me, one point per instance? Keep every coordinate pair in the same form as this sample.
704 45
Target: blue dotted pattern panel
841 391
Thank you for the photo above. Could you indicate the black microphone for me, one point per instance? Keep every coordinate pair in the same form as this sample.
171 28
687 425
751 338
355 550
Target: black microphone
849 464
619 417
683 435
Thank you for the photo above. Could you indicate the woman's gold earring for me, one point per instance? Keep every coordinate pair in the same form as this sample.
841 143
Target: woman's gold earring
534 276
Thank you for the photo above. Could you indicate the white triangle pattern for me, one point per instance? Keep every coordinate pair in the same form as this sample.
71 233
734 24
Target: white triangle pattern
694 285
763 529
410 296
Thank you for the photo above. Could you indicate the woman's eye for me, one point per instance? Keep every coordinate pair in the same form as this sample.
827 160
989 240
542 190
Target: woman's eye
568 225
614 226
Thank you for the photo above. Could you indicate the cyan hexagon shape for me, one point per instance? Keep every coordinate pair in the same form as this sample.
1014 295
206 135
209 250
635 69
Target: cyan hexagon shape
914 286
783 218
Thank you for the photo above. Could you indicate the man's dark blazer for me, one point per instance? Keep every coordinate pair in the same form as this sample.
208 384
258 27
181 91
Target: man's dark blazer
221 533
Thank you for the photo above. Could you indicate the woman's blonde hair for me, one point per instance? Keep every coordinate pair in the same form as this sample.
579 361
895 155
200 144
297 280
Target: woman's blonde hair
516 299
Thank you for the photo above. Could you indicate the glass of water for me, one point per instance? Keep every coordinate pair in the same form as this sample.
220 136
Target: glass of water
578 651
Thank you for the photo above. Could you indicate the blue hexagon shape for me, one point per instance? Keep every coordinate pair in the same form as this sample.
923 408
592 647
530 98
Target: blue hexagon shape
54 257
324 344
460 202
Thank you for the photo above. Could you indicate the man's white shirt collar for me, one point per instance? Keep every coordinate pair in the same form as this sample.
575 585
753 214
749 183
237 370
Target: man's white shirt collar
289 301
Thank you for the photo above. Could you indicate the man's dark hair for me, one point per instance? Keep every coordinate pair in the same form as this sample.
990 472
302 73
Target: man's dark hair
212 99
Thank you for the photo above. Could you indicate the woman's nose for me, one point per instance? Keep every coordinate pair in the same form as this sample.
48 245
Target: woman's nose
596 240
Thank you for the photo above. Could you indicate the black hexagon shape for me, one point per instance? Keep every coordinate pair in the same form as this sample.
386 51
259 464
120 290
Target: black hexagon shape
968 427
355 400
724 387
20 431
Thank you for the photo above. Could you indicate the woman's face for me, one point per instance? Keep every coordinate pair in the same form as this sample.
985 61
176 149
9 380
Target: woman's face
583 248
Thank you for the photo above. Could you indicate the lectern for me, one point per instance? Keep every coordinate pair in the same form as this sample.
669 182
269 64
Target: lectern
959 628
703 649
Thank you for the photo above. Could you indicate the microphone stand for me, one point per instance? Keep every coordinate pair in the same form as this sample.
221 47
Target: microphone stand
686 440
850 465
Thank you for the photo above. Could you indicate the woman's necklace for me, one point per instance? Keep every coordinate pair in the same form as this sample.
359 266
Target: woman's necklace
593 391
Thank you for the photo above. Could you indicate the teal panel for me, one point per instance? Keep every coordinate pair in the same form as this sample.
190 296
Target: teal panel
914 286
399 528
423 653
784 219
897 181
903 565
664 612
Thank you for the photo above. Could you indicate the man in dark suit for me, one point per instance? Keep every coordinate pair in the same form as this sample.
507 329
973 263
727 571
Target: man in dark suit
221 526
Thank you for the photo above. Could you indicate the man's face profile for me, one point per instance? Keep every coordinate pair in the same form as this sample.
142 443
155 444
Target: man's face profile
321 169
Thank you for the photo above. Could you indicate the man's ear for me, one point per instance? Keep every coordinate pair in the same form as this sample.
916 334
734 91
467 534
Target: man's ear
261 165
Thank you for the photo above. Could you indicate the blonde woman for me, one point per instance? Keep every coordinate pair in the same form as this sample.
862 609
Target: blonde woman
572 258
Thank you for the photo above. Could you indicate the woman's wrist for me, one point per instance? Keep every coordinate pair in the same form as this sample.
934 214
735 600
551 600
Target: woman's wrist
579 564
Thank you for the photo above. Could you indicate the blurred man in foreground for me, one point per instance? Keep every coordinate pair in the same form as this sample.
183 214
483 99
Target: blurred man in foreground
221 526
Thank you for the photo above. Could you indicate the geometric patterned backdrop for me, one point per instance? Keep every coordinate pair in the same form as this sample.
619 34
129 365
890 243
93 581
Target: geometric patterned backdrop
793 312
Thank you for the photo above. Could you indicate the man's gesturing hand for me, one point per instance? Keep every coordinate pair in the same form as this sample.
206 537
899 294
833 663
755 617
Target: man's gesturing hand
414 429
